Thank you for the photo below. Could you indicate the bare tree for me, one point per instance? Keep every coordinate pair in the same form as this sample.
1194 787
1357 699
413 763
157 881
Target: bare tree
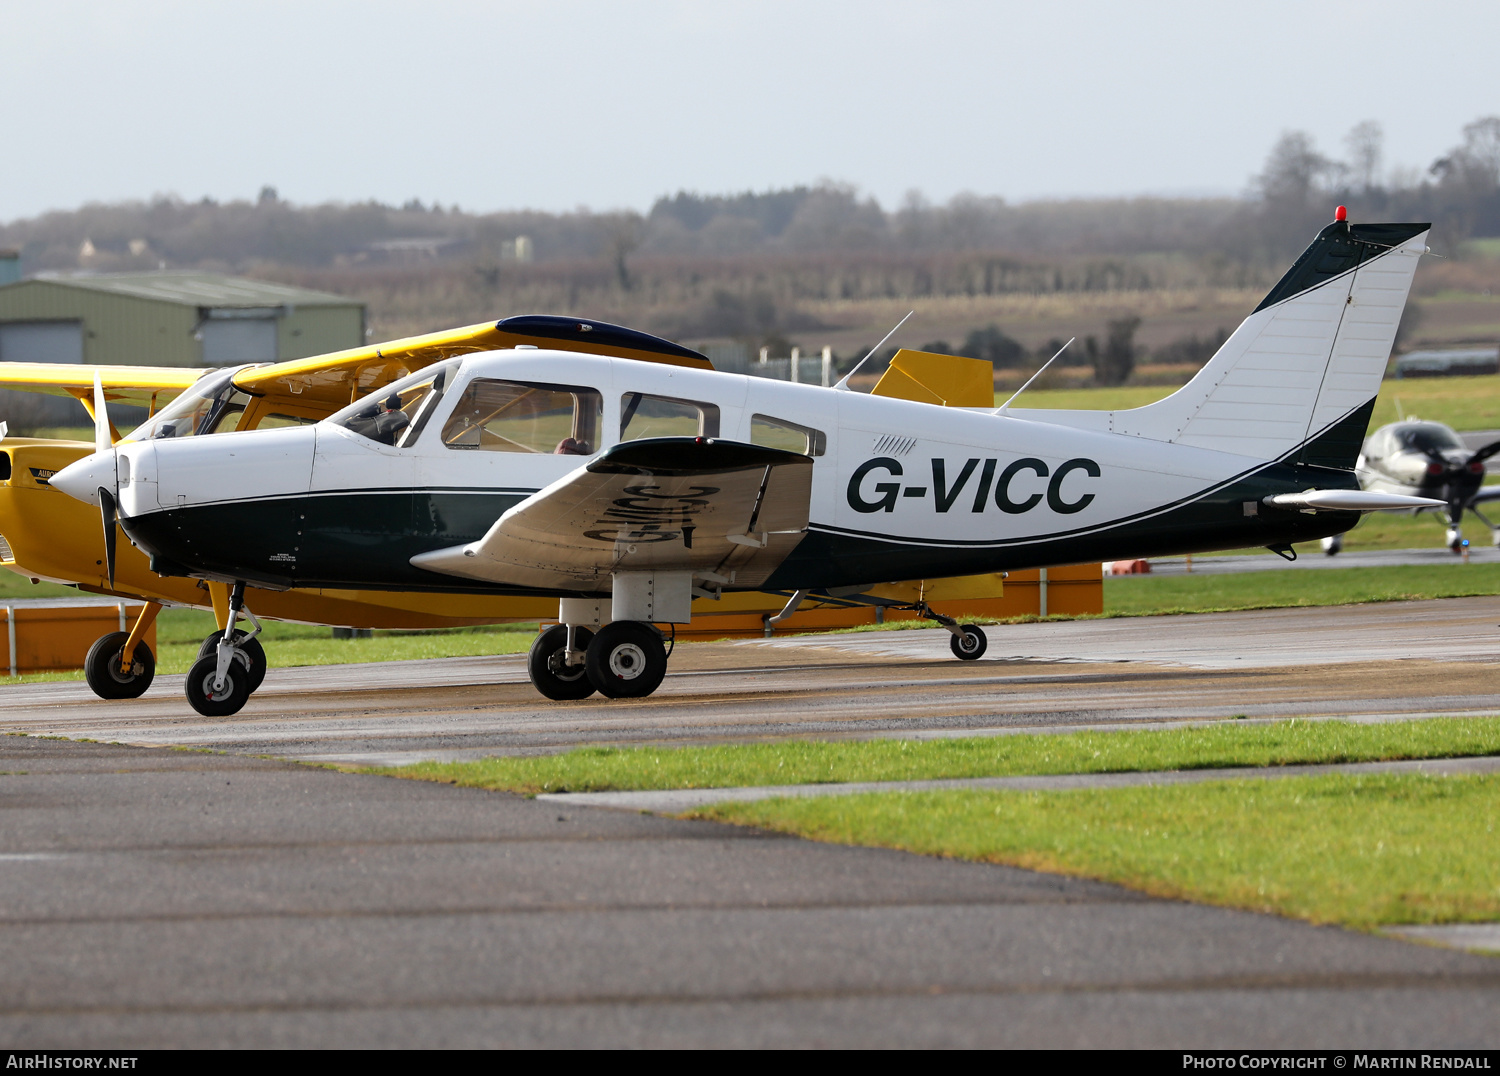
1116 360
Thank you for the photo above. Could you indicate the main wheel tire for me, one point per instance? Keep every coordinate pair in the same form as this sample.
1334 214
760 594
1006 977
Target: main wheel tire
626 660
549 674
252 655
971 646
229 700
101 668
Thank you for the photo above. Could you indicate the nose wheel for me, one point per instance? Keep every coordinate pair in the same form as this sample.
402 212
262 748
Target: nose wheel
231 665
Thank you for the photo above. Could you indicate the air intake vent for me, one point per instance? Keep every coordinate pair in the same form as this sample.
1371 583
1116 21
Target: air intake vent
893 446
5 554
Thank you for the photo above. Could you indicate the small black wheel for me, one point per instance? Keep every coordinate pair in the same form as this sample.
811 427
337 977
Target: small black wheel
549 674
971 646
102 668
251 655
229 699
626 660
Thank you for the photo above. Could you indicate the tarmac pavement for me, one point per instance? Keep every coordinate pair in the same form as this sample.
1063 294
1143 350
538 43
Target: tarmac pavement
162 898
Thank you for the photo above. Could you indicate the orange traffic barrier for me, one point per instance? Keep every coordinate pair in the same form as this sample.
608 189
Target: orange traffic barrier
43 636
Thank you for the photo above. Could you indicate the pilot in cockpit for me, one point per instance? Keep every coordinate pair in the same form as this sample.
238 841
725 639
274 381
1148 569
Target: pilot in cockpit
382 421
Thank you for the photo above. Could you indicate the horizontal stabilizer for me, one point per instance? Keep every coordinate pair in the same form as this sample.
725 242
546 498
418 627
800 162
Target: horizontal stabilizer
724 510
1348 500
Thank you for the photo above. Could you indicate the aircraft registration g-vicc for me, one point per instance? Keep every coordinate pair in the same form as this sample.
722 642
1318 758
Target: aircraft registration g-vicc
623 489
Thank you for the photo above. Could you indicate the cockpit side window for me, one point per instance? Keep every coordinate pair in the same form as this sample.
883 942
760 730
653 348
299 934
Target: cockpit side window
771 432
396 416
665 416
522 416
1427 437
213 405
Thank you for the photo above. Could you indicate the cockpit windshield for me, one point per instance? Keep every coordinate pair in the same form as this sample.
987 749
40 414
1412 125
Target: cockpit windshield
1427 437
211 405
395 415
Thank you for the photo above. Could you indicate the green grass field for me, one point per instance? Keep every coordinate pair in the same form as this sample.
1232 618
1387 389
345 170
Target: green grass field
1363 851
793 762
1153 595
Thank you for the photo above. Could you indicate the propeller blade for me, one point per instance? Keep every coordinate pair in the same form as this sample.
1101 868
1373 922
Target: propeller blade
102 438
1485 453
107 510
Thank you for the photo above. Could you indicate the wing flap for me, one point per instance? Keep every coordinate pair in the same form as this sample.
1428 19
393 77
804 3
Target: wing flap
721 509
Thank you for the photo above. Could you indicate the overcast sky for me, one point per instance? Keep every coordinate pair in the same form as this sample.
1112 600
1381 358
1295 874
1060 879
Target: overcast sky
564 103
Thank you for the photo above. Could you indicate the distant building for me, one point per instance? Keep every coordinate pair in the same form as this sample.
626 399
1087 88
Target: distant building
170 319
1454 363
10 266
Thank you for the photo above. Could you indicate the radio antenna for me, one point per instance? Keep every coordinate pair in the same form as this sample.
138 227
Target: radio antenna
1034 376
843 384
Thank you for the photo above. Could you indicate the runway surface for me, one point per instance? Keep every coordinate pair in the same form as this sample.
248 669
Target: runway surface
156 898
166 898
1432 657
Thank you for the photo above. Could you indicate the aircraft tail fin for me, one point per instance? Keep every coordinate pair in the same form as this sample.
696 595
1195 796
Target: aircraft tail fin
1298 378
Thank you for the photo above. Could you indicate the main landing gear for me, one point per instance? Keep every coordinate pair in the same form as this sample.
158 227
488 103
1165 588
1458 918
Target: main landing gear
119 665
231 664
625 659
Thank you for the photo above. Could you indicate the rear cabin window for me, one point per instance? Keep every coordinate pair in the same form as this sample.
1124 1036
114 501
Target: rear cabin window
771 432
518 416
665 416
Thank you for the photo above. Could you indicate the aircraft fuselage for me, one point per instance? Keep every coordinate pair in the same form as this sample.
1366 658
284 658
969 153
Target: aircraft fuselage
899 489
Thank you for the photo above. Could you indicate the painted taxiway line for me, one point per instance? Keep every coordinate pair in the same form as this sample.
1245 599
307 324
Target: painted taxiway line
673 801
1483 937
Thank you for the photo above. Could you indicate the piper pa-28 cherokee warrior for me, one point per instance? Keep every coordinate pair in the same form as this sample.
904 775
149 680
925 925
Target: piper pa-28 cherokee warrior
624 489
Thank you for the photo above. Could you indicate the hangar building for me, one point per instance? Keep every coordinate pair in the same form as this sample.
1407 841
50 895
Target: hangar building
171 319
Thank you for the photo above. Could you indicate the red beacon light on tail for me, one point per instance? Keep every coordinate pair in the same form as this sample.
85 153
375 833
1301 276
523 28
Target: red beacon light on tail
1341 214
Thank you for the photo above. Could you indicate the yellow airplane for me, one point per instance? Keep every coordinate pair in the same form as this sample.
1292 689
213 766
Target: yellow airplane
45 535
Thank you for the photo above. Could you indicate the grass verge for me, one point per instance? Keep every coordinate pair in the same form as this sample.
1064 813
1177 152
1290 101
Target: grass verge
795 762
1153 595
1363 851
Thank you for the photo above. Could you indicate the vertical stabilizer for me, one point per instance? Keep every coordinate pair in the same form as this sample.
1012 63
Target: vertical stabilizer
1303 365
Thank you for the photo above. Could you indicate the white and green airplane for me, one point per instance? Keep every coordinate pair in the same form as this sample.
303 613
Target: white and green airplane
627 488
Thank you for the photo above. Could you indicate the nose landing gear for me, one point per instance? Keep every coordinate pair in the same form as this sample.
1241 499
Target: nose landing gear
231 664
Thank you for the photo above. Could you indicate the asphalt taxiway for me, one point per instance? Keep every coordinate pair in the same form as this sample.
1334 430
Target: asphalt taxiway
1399 658
165 898
186 898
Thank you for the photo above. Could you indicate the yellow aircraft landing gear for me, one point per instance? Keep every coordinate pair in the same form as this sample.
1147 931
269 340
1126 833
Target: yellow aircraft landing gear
119 665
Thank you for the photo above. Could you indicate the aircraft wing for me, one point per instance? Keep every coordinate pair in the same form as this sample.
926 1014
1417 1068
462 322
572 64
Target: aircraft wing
145 386
724 510
326 383
1485 495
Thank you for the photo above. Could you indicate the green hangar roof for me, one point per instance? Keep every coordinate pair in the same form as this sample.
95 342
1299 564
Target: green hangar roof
200 289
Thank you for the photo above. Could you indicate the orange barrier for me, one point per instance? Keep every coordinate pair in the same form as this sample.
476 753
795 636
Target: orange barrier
48 638
1073 590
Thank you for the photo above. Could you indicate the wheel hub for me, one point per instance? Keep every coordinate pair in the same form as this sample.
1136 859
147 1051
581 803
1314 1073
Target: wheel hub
627 661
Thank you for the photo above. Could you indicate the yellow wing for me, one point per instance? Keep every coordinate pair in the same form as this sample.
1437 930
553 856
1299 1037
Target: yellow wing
326 383
145 386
